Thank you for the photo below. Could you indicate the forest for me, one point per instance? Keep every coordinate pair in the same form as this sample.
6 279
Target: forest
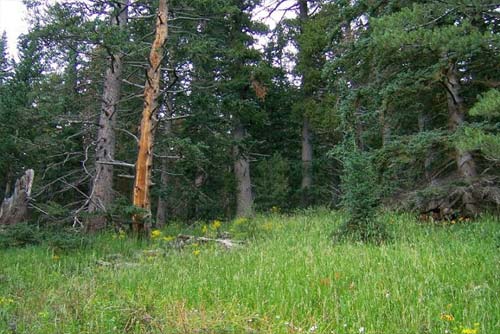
149 141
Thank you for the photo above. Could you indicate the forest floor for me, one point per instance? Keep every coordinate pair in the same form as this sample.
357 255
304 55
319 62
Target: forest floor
288 277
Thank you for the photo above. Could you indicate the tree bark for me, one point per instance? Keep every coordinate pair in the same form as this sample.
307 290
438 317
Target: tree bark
307 148
15 208
244 197
161 210
101 195
456 113
430 155
144 164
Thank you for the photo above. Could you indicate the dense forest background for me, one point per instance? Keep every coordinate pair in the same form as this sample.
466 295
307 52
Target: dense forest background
352 104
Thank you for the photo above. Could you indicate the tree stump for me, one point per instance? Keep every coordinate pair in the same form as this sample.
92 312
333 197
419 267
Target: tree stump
15 208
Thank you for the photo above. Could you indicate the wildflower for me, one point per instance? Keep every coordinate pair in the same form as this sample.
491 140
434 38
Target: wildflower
361 330
240 221
204 229
168 238
469 331
313 329
6 301
446 317
268 226
196 252
155 234
216 224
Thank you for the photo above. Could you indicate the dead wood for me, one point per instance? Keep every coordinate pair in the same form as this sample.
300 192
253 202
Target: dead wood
15 208
183 239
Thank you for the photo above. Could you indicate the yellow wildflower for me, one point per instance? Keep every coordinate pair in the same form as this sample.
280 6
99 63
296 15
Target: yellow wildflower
447 317
240 221
469 331
267 226
6 301
216 224
155 234
196 252
168 238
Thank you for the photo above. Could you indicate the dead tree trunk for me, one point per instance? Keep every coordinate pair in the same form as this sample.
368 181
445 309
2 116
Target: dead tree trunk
15 208
456 113
244 197
144 163
101 195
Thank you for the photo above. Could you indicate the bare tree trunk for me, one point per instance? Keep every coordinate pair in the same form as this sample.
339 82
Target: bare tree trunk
244 197
430 155
15 208
101 195
144 164
307 160
161 211
456 113
307 149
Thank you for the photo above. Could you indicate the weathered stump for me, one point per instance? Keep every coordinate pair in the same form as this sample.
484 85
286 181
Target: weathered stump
15 208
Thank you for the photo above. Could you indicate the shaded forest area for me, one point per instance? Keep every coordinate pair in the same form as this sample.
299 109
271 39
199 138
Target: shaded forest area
146 112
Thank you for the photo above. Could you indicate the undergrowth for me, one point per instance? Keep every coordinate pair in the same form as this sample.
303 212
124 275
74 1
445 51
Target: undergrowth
288 277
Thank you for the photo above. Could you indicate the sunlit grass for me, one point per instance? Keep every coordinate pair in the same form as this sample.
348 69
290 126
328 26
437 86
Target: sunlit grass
289 278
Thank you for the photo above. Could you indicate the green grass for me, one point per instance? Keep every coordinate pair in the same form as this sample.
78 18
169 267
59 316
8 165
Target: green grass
291 278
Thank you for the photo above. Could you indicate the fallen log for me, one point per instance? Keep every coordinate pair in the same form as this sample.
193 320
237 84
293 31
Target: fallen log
15 208
226 243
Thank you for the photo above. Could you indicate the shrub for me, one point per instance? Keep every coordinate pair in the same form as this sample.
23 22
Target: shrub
361 198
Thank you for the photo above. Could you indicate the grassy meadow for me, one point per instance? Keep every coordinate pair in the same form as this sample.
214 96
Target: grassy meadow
288 277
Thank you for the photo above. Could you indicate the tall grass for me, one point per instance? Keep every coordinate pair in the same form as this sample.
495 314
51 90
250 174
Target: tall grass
289 278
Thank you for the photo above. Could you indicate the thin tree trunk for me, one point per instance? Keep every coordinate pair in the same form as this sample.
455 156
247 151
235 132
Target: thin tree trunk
161 210
307 158
430 155
456 113
101 195
144 164
307 149
244 197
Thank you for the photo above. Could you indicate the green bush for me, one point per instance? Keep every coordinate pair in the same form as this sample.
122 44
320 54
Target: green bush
19 235
361 198
55 236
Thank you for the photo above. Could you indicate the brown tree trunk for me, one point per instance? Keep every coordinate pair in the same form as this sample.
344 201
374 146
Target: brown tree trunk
144 163
244 197
14 209
307 149
456 113
101 195
161 210
307 160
